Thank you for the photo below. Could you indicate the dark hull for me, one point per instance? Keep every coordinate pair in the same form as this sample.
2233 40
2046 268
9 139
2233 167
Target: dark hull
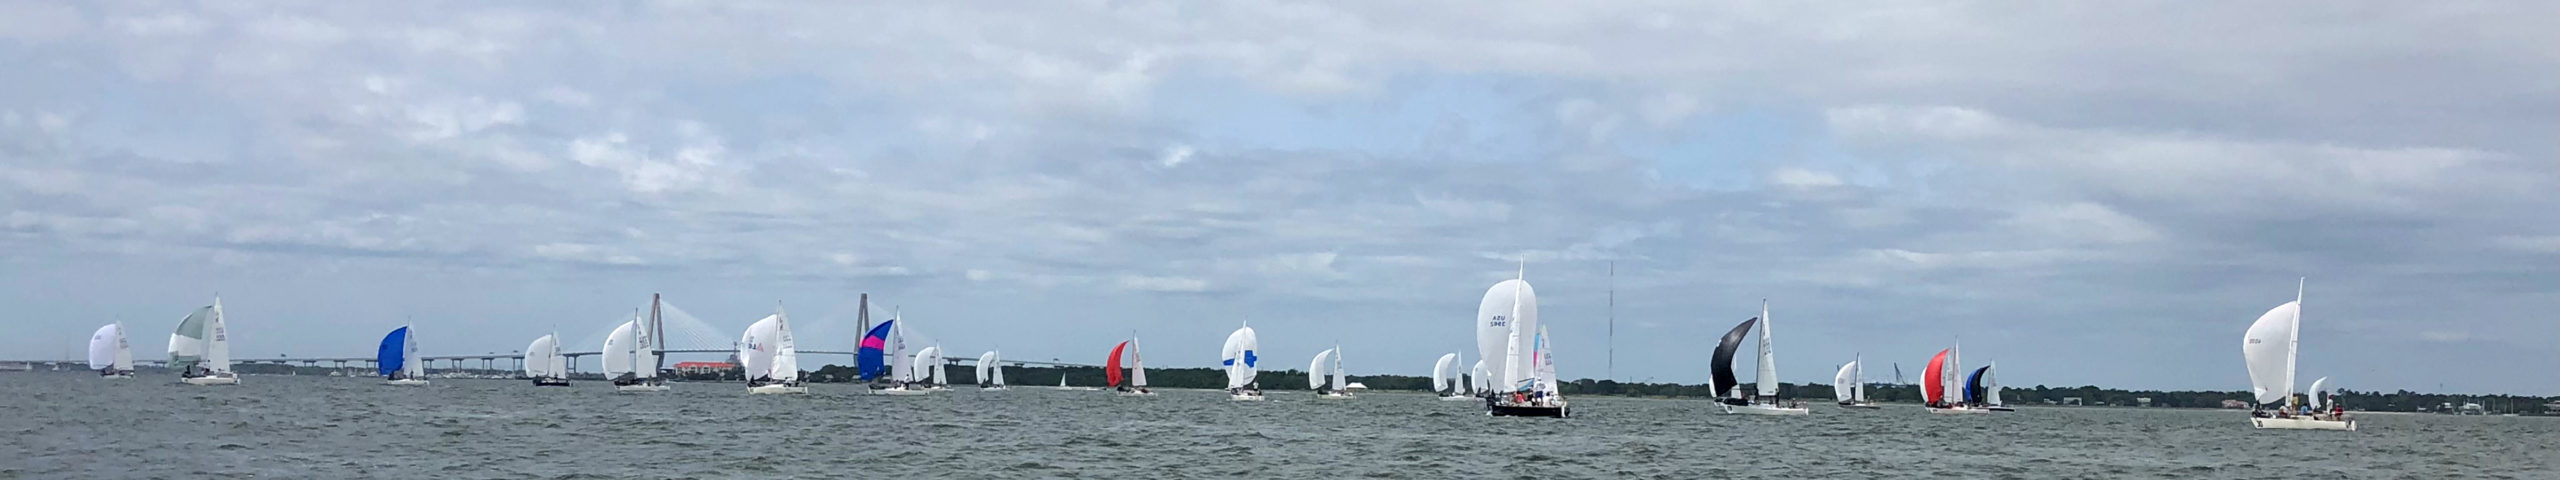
1525 411
550 382
2000 409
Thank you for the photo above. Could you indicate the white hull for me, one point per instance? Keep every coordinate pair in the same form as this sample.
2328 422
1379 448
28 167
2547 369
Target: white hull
120 376
902 392
640 388
1957 410
1866 406
1137 394
231 380
1757 409
2302 424
777 390
1334 396
1244 397
991 389
1460 398
406 382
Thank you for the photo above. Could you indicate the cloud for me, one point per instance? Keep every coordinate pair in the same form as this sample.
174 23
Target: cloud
1163 284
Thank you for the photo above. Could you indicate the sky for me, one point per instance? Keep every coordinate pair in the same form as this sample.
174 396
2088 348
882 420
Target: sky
2087 193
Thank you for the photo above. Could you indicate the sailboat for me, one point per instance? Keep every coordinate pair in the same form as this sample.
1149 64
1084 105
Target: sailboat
1510 310
2269 348
771 360
1136 385
1239 358
929 367
109 353
1446 381
1765 398
201 348
544 364
628 362
1941 380
879 361
1983 389
1325 376
1850 385
1479 379
990 371
397 359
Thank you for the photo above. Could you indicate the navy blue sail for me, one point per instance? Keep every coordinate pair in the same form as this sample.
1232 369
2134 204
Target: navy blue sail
394 350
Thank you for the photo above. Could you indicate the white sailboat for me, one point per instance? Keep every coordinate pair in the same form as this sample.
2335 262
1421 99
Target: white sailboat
397 359
990 371
1765 402
201 348
110 353
1850 385
1136 385
1510 311
1446 381
771 360
930 368
1991 389
1479 380
1239 357
544 364
883 359
1325 375
2270 347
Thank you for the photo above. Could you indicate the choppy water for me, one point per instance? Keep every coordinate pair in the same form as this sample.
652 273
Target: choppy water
73 425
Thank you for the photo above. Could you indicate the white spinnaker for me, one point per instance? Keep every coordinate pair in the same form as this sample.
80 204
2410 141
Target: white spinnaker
1240 370
756 346
986 363
929 365
102 348
1444 374
1479 377
1844 384
2319 388
2268 348
1495 315
617 350
1768 375
538 355
1318 369
1137 366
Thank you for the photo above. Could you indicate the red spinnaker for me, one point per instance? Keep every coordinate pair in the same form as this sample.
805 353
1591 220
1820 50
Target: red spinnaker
1111 369
1931 388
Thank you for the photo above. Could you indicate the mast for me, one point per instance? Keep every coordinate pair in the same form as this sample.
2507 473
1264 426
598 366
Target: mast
2293 337
1613 320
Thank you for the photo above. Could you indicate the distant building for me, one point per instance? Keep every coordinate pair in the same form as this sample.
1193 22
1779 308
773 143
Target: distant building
2142 401
704 368
2234 404
2071 400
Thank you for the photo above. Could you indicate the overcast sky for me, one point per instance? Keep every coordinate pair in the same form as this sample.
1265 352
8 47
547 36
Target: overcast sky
2102 193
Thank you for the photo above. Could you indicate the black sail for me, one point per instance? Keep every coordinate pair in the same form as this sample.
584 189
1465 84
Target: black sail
1724 356
1973 391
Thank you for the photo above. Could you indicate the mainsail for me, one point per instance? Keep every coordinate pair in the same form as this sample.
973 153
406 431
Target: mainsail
1768 375
1991 384
1137 365
786 352
1721 376
1546 365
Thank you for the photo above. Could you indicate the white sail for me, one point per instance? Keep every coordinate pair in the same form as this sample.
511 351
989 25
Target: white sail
986 366
1952 375
756 346
2268 347
1444 373
1768 375
108 351
410 365
1480 378
217 348
1844 384
1317 370
1515 368
786 352
1991 385
542 359
2319 389
1861 375
1504 302
899 369
617 350
1137 366
644 348
1240 357
1340 379
929 365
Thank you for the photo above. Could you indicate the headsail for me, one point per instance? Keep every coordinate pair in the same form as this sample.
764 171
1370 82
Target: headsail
1137 365
2268 347
2319 389
1721 375
1479 378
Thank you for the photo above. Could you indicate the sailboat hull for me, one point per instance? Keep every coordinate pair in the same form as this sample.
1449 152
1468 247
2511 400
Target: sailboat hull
1135 393
640 388
120 376
1499 410
405 382
1758 409
1957 410
1458 398
991 389
2302 424
1861 406
777 389
1244 397
901 392
225 380
1334 396
550 382
2000 408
